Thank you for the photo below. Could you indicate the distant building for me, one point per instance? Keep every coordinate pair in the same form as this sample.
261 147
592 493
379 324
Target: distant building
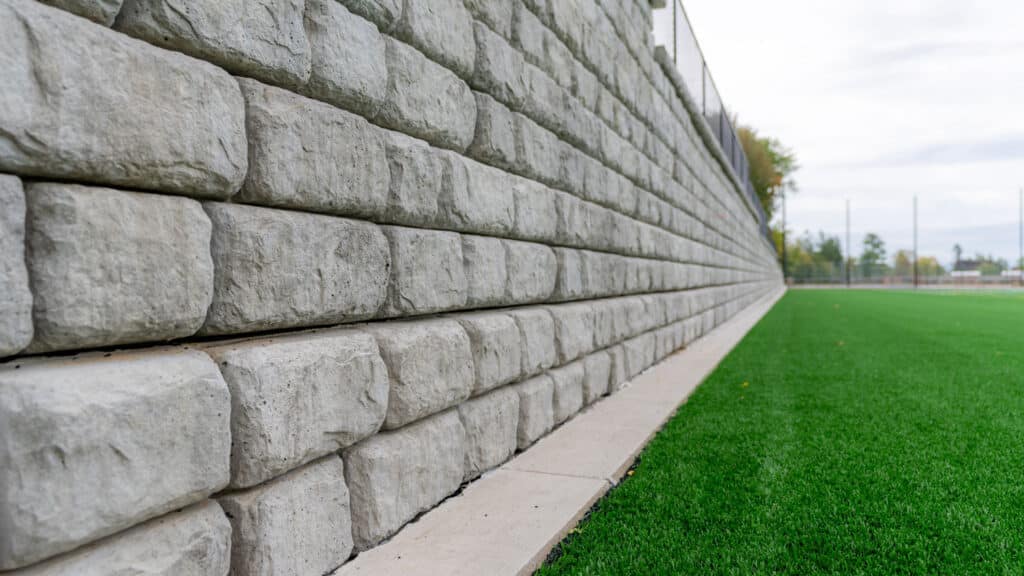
966 269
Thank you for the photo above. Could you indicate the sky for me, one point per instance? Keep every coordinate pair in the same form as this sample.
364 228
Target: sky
882 100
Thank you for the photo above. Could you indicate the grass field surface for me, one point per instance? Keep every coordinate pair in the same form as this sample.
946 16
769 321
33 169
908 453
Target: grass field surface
851 432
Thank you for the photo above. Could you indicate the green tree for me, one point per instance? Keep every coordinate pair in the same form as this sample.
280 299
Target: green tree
772 166
872 257
903 263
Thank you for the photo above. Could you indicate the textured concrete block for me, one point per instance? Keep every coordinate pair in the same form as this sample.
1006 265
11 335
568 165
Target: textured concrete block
476 197
16 305
348 64
420 176
536 410
537 151
297 398
497 353
112 267
441 29
262 39
494 141
138 116
537 339
486 272
532 272
490 422
499 70
639 352
394 476
425 100
569 279
619 377
574 330
427 272
297 524
430 367
99 11
536 211
196 540
383 13
597 372
528 33
568 395
308 155
94 445
280 269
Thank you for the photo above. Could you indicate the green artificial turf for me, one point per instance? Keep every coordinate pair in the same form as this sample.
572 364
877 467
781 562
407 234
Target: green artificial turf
851 432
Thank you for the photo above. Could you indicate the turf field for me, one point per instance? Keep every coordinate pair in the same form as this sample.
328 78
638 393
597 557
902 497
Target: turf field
851 432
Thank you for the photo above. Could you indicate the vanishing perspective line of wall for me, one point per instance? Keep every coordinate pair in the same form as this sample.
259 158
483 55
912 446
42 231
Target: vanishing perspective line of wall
280 275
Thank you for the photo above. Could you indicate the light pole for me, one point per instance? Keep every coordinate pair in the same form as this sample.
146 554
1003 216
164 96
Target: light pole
849 248
915 242
784 250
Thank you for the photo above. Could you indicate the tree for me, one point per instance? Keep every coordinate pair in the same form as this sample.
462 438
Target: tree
872 258
929 266
903 263
830 248
772 166
958 251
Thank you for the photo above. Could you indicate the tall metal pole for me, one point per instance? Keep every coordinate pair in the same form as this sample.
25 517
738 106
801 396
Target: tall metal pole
675 35
849 248
785 267
1020 240
915 242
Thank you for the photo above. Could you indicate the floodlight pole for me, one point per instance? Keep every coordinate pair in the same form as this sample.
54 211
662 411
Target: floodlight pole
784 250
915 242
1020 241
849 248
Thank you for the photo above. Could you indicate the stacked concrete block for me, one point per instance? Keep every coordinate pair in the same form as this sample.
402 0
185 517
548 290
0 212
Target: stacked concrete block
491 422
427 272
496 344
536 410
16 306
568 396
537 339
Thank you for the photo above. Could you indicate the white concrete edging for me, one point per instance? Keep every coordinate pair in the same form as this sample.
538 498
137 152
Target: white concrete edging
509 520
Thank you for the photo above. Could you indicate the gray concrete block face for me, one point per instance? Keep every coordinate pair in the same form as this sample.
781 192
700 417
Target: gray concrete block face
297 398
536 410
196 540
394 476
348 67
430 367
597 372
497 14
574 330
262 39
499 70
99 11
476 197
568 396
495 139
537 339
112 267
532 272
490 422
569 279
419 176
280 269
308 155
185 134
639 353
486 272
297 524
16 305
495 341
95 445
426 100
383 13
619 377
536 211
441 29
427 272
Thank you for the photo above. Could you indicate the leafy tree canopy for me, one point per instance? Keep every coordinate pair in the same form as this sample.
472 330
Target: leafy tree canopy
772 166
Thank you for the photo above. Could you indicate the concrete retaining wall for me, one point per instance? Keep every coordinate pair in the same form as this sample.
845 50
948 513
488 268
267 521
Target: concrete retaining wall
280 275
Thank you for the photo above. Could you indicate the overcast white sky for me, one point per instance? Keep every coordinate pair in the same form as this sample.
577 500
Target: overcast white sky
882 100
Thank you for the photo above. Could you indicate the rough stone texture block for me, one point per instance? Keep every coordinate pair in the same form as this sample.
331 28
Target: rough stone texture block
99 11
536 410
495 341
420 176
16 305
490 422
262 39
476 197
138 116
348 64
427 271
425 100
537 339
383 13
536 211
112 267
532 272
569 279
497 14
297 398
574 330
494 141
568 397
499 70
308 155
430 367
486 272
537 150
441 29
394 476
196 540
279 269
597 370
639 353
94 445
297 524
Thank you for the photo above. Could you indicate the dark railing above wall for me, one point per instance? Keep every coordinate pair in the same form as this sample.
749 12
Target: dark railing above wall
689 60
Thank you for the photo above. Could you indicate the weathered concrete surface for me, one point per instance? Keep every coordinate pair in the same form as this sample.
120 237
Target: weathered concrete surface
532 272
597 368
139 116
99 11
475 198
113 267
195 541
261 39
16 305
490 422
495 340
536 410
394 476
441 29
430 367
94 445
280 269
574 334
568 398
293 525
427 272
537 339
297 398
486 272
